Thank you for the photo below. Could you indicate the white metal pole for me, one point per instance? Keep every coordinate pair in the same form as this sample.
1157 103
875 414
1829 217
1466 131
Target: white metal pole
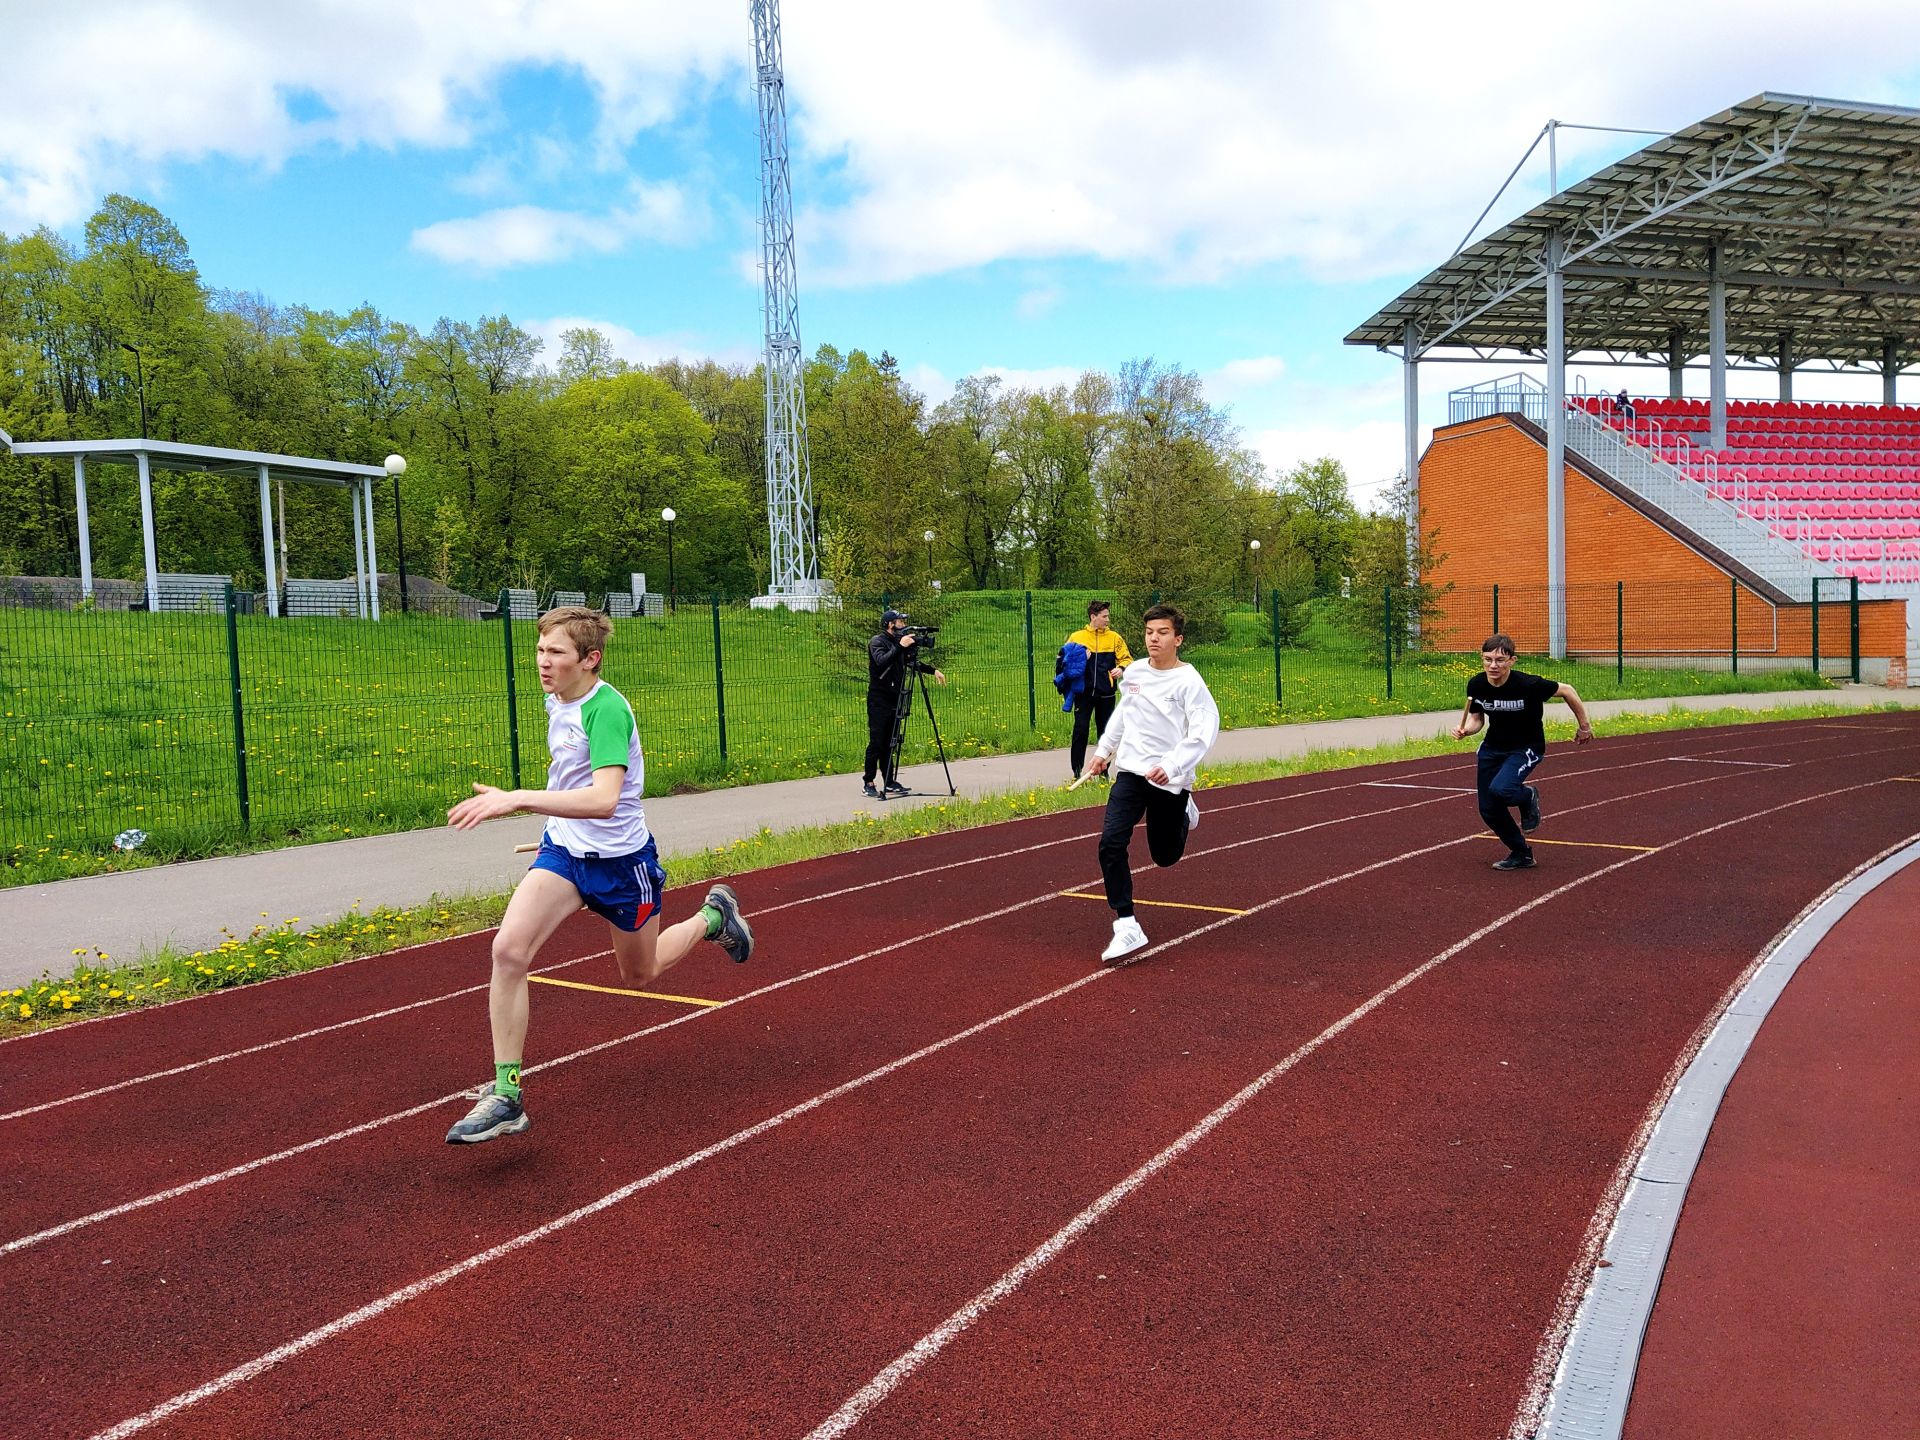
359 555
1716 350
1410 353
1556 451
266 543
86 532
373 564
146 531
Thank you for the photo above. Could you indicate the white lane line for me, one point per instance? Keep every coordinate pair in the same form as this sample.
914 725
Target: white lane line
1762 764
1593 1381
243 1373
240 1374
38 1237
273 1044
1402 785
471 989
876 1390
81 1222
1546 1362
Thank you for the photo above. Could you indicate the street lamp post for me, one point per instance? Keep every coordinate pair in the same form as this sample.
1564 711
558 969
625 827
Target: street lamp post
672 593
140 376
396 467
927 535
1254 547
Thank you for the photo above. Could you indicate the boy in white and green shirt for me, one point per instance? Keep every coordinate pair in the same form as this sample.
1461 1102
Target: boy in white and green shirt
596 851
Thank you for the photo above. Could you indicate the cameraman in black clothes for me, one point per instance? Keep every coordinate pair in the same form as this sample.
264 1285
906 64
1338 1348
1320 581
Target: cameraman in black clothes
888 655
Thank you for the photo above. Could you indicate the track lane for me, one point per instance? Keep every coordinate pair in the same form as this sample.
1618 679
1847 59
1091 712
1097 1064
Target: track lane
858 1206
1093 910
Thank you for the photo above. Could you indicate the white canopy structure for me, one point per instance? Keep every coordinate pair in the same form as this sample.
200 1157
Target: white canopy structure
148 455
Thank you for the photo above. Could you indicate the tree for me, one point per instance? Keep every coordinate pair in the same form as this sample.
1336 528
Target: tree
1384 564
1322 518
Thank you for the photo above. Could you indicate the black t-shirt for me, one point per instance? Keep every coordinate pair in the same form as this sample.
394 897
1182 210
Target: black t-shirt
1513 710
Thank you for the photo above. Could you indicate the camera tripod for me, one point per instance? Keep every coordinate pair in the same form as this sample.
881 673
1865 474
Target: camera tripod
902 708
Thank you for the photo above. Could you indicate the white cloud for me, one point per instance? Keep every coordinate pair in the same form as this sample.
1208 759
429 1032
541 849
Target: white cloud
638 349
1238 379
532 235
1372 452
1193 143
112 94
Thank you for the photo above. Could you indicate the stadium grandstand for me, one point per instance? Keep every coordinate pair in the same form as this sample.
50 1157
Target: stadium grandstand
1782 235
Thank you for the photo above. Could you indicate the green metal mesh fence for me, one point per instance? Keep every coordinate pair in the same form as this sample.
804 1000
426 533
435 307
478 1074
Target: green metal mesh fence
114 721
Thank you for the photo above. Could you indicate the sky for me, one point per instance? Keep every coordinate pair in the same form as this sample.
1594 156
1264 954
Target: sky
1027 188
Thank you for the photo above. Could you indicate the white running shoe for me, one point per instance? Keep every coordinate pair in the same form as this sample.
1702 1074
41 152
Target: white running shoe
1193 815
1127 938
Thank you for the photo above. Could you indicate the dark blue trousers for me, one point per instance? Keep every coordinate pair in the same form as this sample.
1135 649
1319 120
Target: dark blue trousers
1502 785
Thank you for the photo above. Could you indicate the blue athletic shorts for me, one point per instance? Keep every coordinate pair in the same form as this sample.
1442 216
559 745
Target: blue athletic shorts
625 889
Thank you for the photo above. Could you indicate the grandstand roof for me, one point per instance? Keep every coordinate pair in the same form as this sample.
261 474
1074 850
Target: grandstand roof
1814 205
170 455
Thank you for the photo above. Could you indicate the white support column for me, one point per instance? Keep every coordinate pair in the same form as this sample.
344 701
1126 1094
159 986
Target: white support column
1556 451
1410 353
1716 351
266 544
146 531
86 531
373 563
359 555
1676 363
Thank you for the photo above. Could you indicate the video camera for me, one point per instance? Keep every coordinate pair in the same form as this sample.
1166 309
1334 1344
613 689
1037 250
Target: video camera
925 637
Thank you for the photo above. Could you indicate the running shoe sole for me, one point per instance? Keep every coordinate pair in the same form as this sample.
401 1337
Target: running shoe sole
736 936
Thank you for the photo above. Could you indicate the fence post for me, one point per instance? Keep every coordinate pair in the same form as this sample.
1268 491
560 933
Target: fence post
1033 712
1273 598
1619 632
1386 593
719 678
1853 606
1734 585
513 708
1816 627
239 718
1496 610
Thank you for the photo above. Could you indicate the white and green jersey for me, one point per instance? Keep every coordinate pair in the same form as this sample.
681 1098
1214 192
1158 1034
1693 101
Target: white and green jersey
582 736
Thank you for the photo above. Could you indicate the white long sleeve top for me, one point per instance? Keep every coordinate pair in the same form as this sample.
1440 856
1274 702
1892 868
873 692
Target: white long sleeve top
1165 718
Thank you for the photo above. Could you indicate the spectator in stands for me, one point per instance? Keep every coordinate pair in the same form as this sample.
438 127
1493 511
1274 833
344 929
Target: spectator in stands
1624 404
1509 702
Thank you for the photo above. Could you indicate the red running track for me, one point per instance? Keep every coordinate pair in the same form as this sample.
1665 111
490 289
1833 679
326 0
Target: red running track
1332 1166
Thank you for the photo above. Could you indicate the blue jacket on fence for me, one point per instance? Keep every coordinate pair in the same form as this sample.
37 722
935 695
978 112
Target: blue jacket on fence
1070 672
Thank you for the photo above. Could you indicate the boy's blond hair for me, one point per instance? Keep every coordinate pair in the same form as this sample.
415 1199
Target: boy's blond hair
588 629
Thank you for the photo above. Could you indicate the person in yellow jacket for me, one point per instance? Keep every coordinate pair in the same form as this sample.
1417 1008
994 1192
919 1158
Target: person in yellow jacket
1106 657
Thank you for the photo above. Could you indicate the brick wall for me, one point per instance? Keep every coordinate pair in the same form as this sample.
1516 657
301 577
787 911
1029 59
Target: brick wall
1483 509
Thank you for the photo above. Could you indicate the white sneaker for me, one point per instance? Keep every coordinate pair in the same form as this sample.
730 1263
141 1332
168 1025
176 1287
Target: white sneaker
1127 938
1193 815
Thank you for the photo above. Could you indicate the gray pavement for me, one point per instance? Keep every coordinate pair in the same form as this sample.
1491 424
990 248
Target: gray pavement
190 904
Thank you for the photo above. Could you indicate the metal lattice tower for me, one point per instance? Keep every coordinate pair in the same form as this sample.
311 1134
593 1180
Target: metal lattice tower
789 479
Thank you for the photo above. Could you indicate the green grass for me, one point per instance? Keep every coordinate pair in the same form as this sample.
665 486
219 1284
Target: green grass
111 721
100 985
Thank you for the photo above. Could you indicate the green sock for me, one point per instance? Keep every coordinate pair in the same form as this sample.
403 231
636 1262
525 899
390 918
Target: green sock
715 920
506 1079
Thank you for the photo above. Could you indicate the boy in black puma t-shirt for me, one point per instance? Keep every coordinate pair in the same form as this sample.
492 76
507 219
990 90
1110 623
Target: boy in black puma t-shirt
1509 702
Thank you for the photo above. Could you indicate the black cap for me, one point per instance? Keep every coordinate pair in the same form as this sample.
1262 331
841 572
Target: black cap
889 616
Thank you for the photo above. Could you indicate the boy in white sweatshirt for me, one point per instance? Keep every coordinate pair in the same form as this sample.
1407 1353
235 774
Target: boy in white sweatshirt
1164 726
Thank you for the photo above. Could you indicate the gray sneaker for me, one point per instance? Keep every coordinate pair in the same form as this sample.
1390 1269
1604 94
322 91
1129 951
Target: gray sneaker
493 1116
736 936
